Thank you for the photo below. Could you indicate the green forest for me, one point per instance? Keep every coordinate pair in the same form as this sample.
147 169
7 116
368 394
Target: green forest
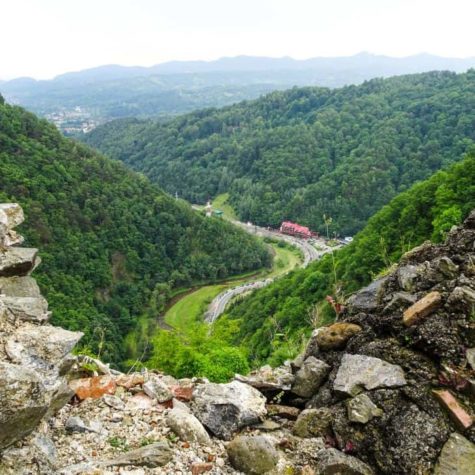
272 323
113 246
306 152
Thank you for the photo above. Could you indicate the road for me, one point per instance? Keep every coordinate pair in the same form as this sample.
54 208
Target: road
310 253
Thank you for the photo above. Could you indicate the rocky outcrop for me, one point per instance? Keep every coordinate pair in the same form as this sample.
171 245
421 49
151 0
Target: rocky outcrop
400 358
34 356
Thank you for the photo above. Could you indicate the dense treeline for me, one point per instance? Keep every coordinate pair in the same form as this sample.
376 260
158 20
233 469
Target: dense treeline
307 152
113 245
273 320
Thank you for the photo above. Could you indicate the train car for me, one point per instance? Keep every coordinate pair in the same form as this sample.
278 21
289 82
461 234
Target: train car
296 230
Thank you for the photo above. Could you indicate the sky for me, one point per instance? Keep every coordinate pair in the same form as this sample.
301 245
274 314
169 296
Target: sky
43 38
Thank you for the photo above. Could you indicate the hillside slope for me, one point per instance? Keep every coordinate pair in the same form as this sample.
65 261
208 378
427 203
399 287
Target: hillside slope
306 152
113 246
272 320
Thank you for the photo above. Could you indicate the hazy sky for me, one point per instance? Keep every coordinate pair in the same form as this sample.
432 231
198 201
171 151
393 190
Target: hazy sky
42 38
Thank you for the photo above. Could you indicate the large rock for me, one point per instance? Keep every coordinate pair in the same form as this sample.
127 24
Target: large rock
334 462
253 455
32 309
457 457
11 215
157 389
358 372
310 377
313 423
41 348
362 409
25 286
335 337
187 427
17 261
268 378
408 277
24 402
225 408
462 298
369 298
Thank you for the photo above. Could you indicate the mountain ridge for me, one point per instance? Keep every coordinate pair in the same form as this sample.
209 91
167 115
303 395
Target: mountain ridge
258 63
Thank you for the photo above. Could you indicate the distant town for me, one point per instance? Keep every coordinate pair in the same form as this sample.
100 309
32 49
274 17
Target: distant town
74 121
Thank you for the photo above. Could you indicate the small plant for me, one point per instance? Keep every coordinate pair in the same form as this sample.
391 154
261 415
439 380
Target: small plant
337 306
408 339
146 441
118 443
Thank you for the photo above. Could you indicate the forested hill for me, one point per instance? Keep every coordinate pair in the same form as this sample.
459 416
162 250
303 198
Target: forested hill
307 152
112 244
273 320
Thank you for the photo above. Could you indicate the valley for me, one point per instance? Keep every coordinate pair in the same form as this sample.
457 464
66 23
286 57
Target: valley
237 238
209 301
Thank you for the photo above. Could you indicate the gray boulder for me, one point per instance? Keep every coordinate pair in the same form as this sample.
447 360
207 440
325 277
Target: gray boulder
187 427
253 455
45 446
33 309
157 389
17 261
368 298
310 377
313 423
225 408
41 348
268 378
359 372
408 276
457 457
24 402
362 409
76 424
11 215
25 286
334 462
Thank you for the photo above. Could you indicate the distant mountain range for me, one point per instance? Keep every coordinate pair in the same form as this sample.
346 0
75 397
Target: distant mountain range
113 91
385 65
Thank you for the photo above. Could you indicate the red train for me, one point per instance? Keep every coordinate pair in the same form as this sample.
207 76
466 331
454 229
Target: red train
294 229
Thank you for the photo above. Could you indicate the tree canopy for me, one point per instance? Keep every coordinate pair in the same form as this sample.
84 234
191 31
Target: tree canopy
306 152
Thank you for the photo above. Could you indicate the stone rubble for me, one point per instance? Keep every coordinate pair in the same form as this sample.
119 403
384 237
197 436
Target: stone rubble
371 394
